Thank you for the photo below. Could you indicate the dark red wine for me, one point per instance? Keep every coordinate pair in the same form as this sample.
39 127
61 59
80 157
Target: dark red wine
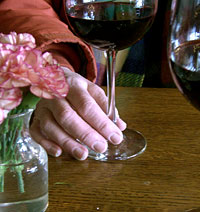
110 24
185 67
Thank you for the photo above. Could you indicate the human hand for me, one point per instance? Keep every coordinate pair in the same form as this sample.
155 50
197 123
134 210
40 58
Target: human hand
58 123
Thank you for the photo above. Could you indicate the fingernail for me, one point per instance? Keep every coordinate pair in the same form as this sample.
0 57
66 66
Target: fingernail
123 125
55 152
79 154
58 153
100 146
116 138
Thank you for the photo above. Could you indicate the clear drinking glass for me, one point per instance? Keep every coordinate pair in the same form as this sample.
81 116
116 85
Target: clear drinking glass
112 26
184 48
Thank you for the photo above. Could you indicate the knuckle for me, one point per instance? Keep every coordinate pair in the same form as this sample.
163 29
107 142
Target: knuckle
75 79
65 116
88 136
65 143
86 107
103 126
45 125
100 91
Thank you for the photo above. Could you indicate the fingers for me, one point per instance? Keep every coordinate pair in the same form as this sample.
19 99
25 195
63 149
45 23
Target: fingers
92 113
98 95
119 122
64 126
59 123
51 147
72 124
45 128
77 82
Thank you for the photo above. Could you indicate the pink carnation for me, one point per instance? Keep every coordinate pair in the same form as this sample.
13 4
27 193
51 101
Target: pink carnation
14 59
52 83
23 39
48 59
14 69
22 65
10 98
3 115
48 79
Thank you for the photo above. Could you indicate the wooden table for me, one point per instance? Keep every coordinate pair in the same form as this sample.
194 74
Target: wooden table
166 177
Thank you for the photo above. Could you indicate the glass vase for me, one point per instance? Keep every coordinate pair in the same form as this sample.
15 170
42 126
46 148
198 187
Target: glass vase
23 167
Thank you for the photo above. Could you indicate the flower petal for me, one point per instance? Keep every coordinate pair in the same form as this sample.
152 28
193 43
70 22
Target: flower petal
13 38
10 98
22 65
52 81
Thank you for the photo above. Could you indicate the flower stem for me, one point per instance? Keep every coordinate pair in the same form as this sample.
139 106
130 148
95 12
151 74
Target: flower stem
2 171
20 178
11 129
29 101
2 183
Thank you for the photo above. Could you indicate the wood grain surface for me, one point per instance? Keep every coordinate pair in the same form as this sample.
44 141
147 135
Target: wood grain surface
165 178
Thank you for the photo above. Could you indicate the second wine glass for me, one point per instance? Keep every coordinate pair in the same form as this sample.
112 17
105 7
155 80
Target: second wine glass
112 26
184 48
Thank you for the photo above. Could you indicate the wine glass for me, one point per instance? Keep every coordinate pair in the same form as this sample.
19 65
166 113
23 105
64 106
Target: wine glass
111 26
184 48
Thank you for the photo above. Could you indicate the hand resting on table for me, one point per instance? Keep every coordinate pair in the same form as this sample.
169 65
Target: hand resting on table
81 115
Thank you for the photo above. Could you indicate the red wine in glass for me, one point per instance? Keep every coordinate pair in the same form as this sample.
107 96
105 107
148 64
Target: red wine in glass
115 31
185 69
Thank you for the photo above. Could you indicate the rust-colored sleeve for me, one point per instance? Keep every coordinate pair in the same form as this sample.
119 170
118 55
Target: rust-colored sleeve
38 18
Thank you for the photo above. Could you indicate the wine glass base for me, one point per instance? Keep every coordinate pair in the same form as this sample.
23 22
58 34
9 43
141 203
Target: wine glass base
133 145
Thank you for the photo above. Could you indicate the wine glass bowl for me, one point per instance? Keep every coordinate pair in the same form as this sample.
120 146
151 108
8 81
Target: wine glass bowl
112 26
184 48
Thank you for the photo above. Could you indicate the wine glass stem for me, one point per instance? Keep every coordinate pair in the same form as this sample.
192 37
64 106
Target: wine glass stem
111 61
